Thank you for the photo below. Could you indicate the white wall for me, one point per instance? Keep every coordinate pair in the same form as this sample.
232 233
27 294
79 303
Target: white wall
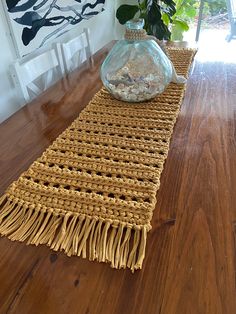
102 31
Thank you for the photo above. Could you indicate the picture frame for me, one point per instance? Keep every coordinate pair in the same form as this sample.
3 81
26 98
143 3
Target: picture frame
34 23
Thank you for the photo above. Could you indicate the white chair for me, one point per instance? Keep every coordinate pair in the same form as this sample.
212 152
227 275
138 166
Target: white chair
35 75
76 51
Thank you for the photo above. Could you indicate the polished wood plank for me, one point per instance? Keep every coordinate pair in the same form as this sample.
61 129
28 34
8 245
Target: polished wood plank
190 260
203 251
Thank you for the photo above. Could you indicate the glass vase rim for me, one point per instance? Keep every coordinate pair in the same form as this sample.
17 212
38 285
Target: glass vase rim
135 24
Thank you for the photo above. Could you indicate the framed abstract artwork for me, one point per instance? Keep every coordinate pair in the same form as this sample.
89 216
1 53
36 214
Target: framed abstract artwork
34 23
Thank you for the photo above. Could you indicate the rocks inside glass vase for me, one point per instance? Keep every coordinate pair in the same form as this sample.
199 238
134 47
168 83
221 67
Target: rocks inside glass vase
138 80
136 69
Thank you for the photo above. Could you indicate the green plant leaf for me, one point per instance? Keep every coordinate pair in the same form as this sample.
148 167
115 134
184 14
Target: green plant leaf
171 6
161 31
190 12
179 4
143 5
126 12
182 25
176 33
165 18
154 23
178 28
153 12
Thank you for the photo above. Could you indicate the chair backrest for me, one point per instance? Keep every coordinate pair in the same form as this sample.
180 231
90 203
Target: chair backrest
76 51
37 74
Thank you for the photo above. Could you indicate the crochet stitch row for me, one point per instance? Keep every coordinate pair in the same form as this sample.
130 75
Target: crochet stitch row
93 191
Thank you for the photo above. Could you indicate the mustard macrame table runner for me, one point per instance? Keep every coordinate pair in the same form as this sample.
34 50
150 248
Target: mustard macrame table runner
93 191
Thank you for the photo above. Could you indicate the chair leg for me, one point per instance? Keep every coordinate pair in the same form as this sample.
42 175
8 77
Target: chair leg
199 20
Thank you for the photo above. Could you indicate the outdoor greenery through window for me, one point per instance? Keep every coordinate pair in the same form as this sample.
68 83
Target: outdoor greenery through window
214 15
169 19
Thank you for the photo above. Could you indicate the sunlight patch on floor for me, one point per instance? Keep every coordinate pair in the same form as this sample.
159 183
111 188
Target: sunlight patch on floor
213 45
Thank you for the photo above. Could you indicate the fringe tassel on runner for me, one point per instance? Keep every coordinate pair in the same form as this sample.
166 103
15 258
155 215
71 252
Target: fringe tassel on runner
123 245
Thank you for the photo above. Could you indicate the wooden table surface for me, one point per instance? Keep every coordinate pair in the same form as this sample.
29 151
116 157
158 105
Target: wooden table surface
190 259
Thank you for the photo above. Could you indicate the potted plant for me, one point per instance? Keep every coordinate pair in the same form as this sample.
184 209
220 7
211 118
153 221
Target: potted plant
151 11
179 22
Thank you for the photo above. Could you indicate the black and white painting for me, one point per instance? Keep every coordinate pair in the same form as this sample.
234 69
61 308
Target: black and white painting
36 22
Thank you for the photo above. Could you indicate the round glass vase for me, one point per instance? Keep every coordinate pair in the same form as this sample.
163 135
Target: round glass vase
136 69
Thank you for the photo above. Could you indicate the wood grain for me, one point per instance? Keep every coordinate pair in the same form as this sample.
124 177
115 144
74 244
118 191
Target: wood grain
190 260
